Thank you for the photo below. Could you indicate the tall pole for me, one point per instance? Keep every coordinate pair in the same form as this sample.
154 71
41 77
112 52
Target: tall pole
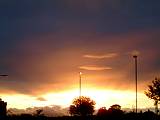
136 76
80 81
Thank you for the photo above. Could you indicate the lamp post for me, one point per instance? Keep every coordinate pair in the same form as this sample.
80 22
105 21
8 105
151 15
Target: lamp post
80 81
136 76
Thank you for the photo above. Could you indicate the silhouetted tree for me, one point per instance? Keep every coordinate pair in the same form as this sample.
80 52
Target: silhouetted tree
82 106
102 111
149 115
153 92
72 110
115 110
39 112
115 107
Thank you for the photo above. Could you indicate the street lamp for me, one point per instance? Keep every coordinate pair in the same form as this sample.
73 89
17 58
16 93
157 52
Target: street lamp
80 81
135 56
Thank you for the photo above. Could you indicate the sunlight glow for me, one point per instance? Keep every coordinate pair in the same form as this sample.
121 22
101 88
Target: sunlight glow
102 98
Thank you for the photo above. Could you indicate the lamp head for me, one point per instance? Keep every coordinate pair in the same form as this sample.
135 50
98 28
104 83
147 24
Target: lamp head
135 53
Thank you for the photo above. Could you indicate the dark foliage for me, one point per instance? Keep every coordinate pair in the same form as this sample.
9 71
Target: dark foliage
102 111
82 106
153 92
126 116
114 112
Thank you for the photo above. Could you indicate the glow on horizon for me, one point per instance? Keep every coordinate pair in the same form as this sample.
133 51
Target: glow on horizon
102 98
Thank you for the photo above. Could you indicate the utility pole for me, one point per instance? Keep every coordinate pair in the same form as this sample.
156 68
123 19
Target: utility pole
80 82
136 76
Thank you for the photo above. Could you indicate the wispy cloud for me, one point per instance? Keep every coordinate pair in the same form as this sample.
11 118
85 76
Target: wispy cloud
95 68
41 99
109 55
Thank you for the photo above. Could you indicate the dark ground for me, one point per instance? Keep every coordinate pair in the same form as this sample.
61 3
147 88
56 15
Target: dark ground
125 116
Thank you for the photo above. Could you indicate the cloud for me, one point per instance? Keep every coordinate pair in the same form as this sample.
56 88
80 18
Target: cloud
94 5
38 64
51 111
41 99
95 68
110 55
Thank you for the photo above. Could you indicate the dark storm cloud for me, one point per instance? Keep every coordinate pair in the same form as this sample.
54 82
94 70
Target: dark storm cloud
20 18
38 38
37 66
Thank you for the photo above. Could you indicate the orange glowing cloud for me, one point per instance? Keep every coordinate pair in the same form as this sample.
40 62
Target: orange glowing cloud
96 68
110 55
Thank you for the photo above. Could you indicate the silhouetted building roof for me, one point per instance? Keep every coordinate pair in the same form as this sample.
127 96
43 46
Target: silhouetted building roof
3 108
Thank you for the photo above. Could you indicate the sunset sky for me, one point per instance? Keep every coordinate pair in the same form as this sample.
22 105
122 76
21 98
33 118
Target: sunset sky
44 44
